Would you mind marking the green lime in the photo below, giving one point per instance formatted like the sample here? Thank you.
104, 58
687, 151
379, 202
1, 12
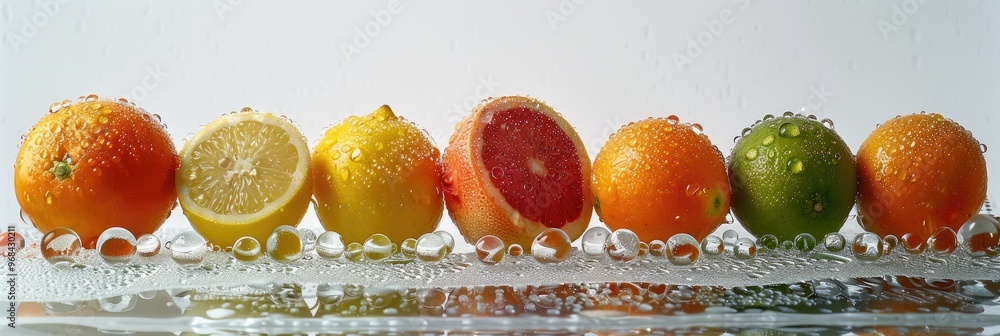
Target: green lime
792, 175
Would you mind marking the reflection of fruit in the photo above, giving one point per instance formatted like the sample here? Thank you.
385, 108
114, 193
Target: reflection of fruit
377, 174
918, 173
244, 174
792, 175
513, 168
96, 164
659, 178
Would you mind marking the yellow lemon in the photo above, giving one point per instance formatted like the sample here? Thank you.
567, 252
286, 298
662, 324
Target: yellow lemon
377, 174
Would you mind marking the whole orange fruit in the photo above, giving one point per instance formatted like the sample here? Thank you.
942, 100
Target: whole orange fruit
96, 164
659, 177
919, 173
514, 168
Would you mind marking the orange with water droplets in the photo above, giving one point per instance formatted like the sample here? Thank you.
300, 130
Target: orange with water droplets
513, 168
918, 173
659, 177
95, 164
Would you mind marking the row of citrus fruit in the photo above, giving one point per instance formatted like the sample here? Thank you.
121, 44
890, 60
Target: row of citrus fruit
513, 168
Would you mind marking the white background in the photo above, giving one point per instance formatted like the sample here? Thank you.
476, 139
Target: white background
601, 63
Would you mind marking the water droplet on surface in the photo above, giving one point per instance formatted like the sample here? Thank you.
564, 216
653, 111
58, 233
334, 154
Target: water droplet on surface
515, 250
657, 248
768, 242
980, 236
147, 245
308, 239
943, 241
795, 166
593, 241
827, 122
378, 247
913, 243
187, 248
889, 243
712, 245
380, 297
867, 246
834, 242
408, 248
247, 249
673, 119
431, 247
683, 249
551, 246
729, 237
116, 246
745, 132
767, 117
490, 249
805, 242
60, 246
622, 245
449, 241
118, 304
744, 249
354, 252
982, 147
431, 297
328, 293
788, 130
284, 244
330, 245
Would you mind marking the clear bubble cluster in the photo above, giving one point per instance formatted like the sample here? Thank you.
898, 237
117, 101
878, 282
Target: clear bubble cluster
623, 245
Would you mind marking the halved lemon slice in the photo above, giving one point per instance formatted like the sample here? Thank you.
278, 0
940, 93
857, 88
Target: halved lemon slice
244, 174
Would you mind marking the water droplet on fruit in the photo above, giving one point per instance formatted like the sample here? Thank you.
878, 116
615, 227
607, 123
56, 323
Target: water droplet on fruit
378, 247
980, 236
982, 147
356, 154
247, 249
515, 250
827, 122
551, 246
805, 242
788, 130
712, 245
449, 241
187, 248
490, 249
147, 245
751, 154
408, 248
354, 252
745, 132
943, 241
91, 97
622, 245
690, 190
768, 140
729, 237
48, 198
329, 245
834, 242
116, 246
795, 166
673, 119
496, 172
284, 244
683, 249
431, 248
867, 246
913, 243
744, 249
60, 246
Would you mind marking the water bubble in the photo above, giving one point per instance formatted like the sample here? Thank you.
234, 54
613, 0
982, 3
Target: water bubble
834, 242
187, 248
982, 147
354, 252
767, 117
408, 248
118, 304
913, 243
623, 245
943, 241
643, 248
329, 245
378, 247
768, 140
60, 246
751, 154
657, 248
673, 119
284, 244
449, 241
308, 238
980, 236
247, 249
827, 122
593, 241
147, 245
889, 243
712, 245
490, 250
745, 132
515, 250
729, 237
768, 241
867, 247
116, 246
328, 293
683, 249
805, 242
431, 248
788, 245
744, 249
431, 297
380, 297
788, 130
552, 246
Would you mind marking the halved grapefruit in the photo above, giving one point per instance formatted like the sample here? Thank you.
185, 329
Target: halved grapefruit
513, 168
